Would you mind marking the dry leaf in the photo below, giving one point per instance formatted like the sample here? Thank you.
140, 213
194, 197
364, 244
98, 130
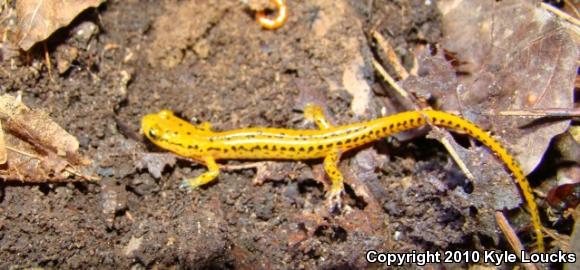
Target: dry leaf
515, 56
36, 124
38, 149
38, 19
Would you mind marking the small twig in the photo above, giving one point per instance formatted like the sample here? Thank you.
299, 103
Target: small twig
541, 113
86, 177
573, 7
443, 138
391, 55
22, 152
512, 238
574, 23
261, 170
47, 60
245, 166
390, 80
68, 169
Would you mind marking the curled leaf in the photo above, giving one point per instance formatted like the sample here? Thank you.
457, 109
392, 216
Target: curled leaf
38, 149
38, 19
512, 56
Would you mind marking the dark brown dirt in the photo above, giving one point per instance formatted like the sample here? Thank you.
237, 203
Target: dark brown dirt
210, 61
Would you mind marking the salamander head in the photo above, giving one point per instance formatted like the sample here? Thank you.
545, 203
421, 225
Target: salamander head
158, 127
168, 131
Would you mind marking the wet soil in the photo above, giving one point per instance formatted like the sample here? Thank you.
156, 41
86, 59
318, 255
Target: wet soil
208, 60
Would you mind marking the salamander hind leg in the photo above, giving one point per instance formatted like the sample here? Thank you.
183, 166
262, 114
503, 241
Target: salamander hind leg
210, 175
315, 114
333, 194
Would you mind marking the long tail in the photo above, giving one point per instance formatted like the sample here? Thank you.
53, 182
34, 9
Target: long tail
409, 120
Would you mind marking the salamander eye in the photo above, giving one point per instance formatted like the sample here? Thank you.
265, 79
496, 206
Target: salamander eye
153, 134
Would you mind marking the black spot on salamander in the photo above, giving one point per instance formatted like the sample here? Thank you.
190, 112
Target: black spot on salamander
274, 148
283, 148
398, 124
188, 133
180, 124
311, 148
225, 150
449, 122
329, 145
339, 143
384, 129
348, 140
213, 149
412, 121
377, 132
265, 147
355, 139
320, 146
391, 126
291, 149
190, 147
257, 147
301, 149
174, 143
233, 148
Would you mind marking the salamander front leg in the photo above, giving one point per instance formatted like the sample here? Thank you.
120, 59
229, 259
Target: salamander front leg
204, 178
314, 113
333, 198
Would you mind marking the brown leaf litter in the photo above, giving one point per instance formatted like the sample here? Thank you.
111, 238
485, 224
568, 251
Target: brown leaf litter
37, 20
513, 56
36, 149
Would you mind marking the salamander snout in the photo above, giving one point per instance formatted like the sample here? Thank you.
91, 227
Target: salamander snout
150, 127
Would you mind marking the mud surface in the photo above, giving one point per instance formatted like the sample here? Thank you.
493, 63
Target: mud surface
210, 61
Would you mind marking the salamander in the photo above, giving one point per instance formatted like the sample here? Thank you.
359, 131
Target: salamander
201, 144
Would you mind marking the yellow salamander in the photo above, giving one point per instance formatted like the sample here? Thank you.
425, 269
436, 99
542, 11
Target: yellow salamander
328, 142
